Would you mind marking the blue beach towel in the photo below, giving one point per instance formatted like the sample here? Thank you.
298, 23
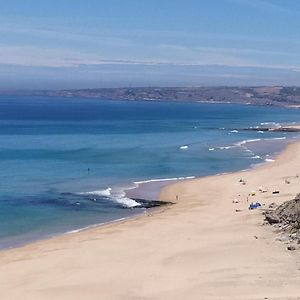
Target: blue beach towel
254, 205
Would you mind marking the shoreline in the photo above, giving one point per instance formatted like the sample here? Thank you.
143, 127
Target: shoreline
204, 247
149, 191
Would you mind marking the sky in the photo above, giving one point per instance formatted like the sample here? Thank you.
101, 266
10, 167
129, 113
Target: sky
62, 44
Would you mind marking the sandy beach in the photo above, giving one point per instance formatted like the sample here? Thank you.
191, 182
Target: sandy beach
204, 247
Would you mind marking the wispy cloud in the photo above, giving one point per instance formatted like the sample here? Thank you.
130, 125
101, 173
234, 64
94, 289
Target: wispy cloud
57, 34
177, 55
51, 46
126, 38
267, 6
38, 57
236, 57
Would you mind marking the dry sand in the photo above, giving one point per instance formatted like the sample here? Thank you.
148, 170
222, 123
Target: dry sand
201, 248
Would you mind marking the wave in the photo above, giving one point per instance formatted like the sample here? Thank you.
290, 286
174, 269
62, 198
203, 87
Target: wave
94, 226
278, 138
125, 201
247, 141
184, 147
226, 147
257, 140
270, 123
116, 195
239, 144
243, 144
163, 179
269, 160
105, 192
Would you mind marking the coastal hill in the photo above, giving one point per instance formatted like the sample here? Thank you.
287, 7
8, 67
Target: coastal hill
268, 95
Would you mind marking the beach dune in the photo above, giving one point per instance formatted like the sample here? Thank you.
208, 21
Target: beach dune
204, 247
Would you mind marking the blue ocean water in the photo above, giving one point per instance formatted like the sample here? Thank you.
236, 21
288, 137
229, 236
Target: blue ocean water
65, 163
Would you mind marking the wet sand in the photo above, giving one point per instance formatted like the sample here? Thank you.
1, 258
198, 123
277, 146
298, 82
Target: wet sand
204, 247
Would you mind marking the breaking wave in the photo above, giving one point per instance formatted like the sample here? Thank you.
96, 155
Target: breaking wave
137, 183
118, 196
184, 147
105, 192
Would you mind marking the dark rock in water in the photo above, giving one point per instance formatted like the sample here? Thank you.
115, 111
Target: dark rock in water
272, 129
150, 203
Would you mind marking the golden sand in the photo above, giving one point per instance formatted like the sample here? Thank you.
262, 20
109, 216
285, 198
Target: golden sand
204, 247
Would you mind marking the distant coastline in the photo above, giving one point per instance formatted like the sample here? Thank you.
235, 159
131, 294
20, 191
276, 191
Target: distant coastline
266, 96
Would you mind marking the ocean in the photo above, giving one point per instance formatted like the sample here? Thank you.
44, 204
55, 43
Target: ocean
66, 163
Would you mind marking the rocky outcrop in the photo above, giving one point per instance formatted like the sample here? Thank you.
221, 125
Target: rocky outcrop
286, 213
286, 218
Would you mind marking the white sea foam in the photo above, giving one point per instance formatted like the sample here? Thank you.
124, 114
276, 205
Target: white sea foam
234, 131
278, 138
247, 141
126, 202
117, 195
227, 147
257, 140
184, 147
105, 193
211, 149
93, 226
163, 179
256, 157
242, 143
270, 123
269, 160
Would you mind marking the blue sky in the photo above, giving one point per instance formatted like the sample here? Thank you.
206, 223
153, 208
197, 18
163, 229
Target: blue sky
95, 43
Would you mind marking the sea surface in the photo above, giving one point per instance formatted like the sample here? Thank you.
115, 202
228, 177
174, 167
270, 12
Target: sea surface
65, 163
